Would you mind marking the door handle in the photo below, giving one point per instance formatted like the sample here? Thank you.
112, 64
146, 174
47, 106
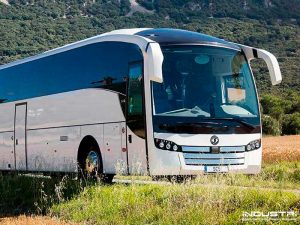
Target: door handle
17, 142
130, 138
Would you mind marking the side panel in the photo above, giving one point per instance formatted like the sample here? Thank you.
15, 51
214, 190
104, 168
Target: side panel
7, 115
57, 124
115, 161
20, 136
137, 160
53, 149
7, 160
124, 149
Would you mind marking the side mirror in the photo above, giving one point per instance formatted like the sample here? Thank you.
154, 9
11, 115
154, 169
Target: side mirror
269, 58
272, 64
154, 60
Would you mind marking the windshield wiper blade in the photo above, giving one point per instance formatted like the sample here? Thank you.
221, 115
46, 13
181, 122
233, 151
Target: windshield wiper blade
236, 120
185, 124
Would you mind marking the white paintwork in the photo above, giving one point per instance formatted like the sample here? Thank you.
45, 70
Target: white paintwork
45, 151
4, 2
74, 115
272, 64
20, 137
137, 160
174, 163
113, 148
269, 58
154, 61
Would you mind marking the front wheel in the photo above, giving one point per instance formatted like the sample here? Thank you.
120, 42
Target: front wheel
92, 164
92, 167
181, 178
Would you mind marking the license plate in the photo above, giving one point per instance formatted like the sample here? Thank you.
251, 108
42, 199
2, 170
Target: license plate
215, 169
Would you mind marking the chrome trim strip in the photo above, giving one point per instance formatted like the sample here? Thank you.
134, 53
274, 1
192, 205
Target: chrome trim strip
195, 149
213, 156
214, 161
233, 149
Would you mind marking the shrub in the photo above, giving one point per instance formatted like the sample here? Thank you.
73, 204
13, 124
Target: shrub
273, 106
291, 123
270, 126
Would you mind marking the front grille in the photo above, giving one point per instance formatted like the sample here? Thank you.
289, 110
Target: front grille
233, 155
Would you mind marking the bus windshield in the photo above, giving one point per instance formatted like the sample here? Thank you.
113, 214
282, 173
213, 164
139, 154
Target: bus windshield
206, 85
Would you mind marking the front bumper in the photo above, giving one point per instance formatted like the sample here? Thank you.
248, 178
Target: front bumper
181, 163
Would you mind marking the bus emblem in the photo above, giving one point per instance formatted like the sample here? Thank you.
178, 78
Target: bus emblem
214, 140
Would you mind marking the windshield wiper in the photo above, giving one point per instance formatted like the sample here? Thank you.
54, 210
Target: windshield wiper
236, 120
165, 126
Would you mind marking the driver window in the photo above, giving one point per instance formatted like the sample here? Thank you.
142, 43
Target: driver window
135, 87
135, 109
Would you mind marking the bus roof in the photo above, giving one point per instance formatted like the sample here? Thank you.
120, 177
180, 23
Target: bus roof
166, 36
162, 36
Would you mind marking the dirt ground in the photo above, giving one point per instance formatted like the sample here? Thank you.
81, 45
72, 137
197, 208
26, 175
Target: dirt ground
284, 148
32, 220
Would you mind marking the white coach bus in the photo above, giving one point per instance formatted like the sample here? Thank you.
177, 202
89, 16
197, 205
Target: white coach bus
135, 101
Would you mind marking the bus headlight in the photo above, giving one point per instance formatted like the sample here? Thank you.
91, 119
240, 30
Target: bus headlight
253, 145
166, 145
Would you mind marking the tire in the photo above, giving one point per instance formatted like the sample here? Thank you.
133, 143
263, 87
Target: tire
91, 167
181, 178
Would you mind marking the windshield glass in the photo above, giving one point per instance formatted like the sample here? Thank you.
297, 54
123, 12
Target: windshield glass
205, 84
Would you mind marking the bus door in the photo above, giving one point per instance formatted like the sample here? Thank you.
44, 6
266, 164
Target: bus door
136, 136
115, 147
20, 136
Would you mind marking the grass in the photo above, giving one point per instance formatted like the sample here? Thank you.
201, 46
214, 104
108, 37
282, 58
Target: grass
210, 199
283, 175
172, 204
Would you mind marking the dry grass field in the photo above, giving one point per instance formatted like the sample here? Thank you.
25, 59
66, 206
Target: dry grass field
32, 220
283, 148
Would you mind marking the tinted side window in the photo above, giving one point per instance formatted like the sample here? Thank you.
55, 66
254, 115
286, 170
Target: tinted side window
103, 65
135, 109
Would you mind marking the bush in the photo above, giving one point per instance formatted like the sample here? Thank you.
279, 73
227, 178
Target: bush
273, 106
270, 126
291, 123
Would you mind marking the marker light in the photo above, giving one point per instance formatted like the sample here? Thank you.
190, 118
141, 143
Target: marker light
166, 145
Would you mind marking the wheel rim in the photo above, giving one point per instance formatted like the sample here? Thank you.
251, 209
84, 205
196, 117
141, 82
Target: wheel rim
92, 163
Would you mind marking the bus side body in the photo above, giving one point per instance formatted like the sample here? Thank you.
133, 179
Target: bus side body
49, 105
